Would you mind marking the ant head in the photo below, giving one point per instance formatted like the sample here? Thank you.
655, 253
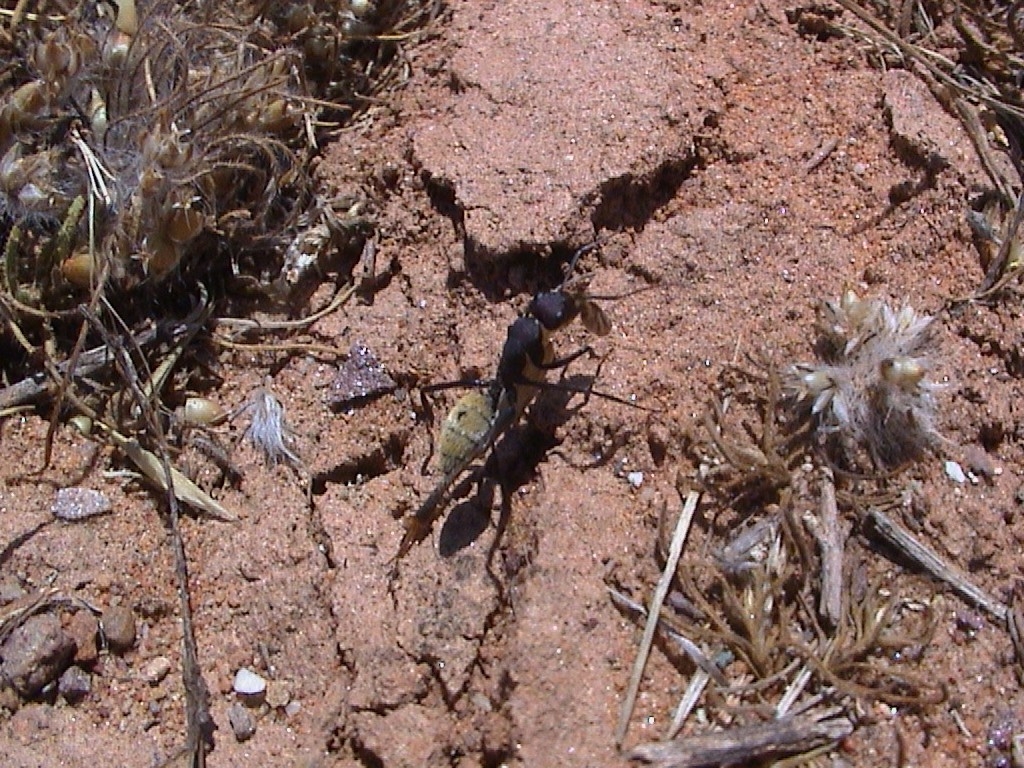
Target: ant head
554, 309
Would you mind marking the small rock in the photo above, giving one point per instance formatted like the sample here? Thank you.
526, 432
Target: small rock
83, 629
360, 378
10, 590
292, 708
155, 670
9, 698
119, 628
278, 695
979, 462
955, 472
74, 685
76, 503
35, 654
243, 724
636, 479
248, 683
250, 687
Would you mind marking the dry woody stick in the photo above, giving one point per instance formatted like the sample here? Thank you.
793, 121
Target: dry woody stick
897, 536
744, 744
675, 550
830, 541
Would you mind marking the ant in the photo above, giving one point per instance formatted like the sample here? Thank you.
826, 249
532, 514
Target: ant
479, 418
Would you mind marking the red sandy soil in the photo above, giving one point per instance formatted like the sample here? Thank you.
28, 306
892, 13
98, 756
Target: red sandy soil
685, 138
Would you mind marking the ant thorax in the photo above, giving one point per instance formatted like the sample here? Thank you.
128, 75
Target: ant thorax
524, 359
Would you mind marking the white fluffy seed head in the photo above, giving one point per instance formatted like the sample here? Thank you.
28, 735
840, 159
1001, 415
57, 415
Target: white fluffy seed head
870, 392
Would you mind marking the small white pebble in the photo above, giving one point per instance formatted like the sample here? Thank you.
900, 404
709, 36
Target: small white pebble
248, 683
156, 669
636, 479
78, 504
955, 472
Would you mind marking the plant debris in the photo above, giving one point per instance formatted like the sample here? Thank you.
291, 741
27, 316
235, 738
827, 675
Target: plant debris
869, 391
268, 430
801, 627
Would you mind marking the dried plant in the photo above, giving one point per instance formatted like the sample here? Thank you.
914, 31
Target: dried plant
869, 391
755, 601
185, 128
269, 431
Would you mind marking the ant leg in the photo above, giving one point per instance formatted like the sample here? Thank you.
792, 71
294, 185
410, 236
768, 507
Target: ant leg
562, 362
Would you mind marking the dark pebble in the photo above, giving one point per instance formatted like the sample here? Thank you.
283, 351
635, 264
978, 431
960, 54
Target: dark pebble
35, 654
75, 684
119, 628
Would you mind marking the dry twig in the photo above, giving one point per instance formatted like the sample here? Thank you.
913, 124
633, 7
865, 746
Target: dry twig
675, 550
904, 541
742, 745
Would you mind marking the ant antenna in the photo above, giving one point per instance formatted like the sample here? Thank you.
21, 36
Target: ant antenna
571, 266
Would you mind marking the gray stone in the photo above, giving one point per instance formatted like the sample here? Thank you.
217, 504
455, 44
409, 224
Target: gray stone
35, 654
243, 724
73, 504
248, 683
74, 685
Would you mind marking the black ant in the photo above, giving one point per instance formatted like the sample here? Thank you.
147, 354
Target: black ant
479, 418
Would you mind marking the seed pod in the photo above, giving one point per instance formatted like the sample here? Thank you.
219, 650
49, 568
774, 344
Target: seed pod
296, 17
56, 60
82, 423
115, 52
27, 100
150, 182
183, 223
360, 8
164, 148
97, 113
277, 117
903, 372
79, 269
127, 19
162, 258
199, 411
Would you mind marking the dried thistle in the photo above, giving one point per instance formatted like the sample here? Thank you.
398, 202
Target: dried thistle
869, 390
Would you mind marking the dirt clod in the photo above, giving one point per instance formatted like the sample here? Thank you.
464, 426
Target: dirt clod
84, 629
155, 670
